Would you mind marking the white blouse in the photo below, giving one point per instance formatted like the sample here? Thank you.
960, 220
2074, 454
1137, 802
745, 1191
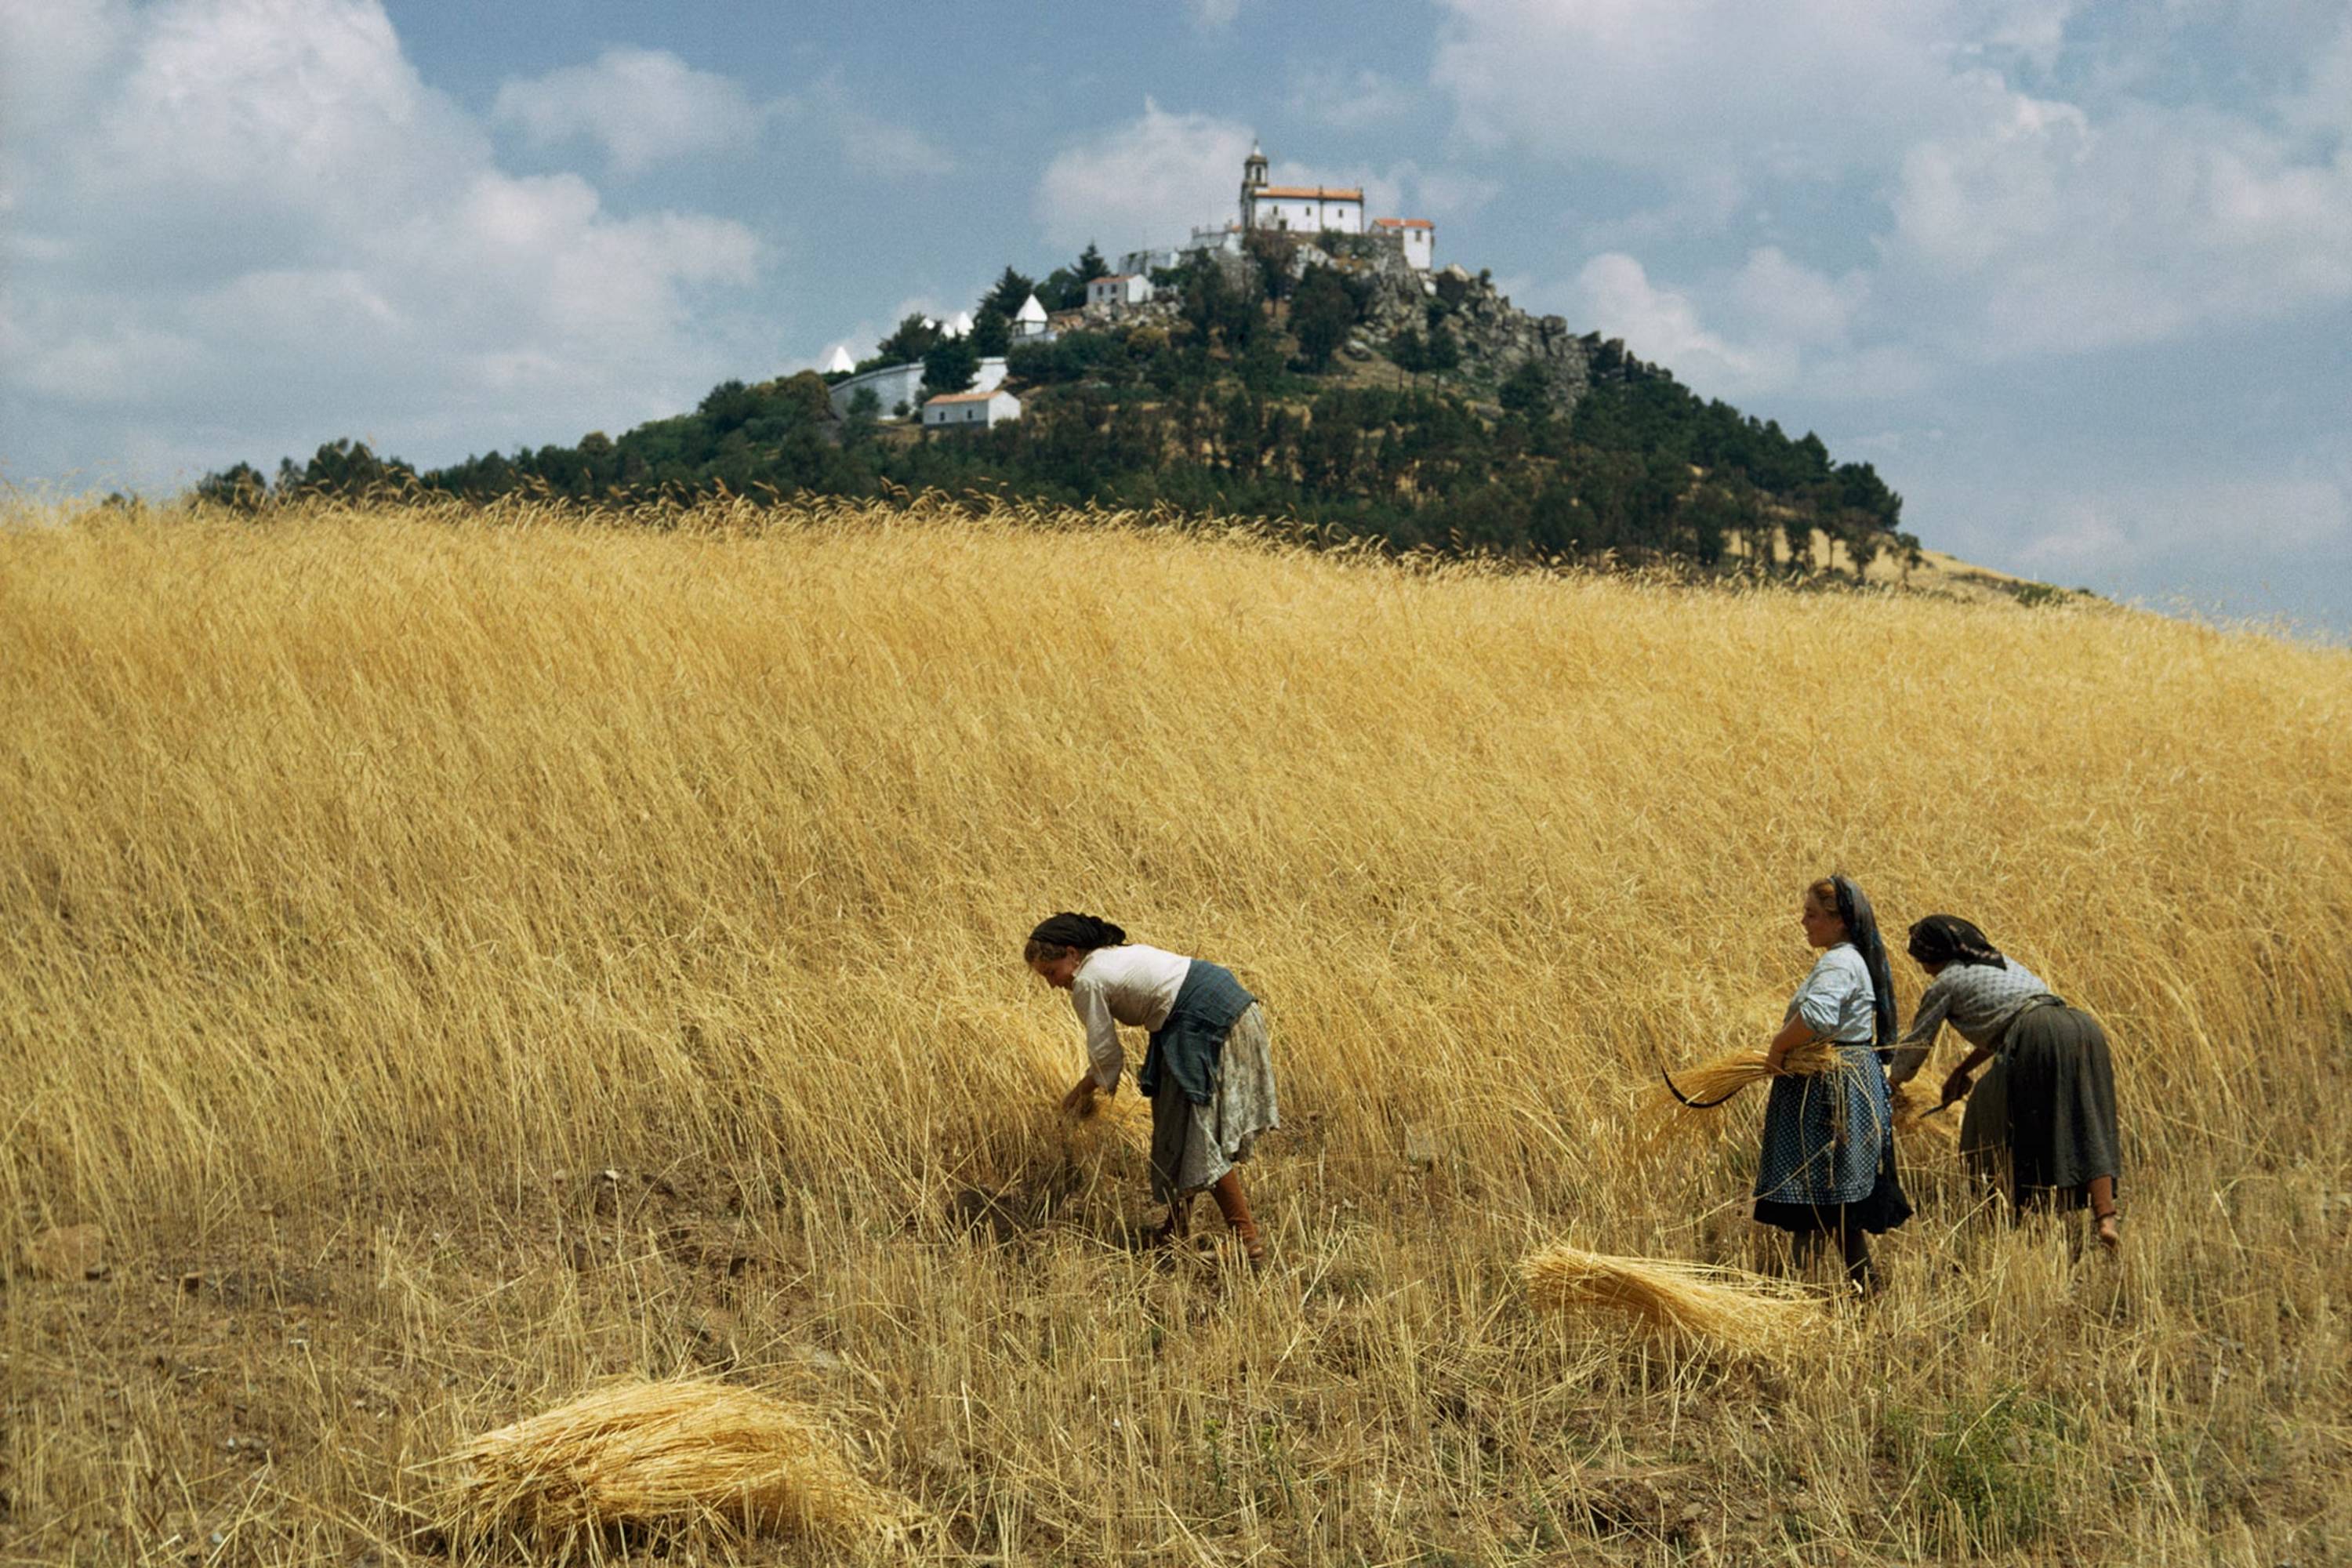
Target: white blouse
1836, 999
1135, 985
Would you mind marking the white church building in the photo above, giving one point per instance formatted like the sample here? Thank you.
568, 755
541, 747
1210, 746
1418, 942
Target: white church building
1313, 208
1298, 209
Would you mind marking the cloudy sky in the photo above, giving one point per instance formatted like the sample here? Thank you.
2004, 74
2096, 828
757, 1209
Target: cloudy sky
2076, 276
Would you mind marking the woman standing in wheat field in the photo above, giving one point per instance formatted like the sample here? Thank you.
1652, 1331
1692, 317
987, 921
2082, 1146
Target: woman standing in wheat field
2041, 1125
1828, 1162
1208, 1073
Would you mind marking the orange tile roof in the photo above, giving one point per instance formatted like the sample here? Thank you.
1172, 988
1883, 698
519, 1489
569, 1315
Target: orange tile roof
1403, 223
1312, 193
964, 396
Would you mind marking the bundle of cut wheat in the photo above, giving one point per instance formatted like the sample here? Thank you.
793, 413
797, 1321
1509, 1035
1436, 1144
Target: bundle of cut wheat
1125, 1117
1916, 1111
1686, 1302
663, 1455
1679, 1103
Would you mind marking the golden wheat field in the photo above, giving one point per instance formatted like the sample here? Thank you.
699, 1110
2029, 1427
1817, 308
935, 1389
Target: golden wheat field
462, 961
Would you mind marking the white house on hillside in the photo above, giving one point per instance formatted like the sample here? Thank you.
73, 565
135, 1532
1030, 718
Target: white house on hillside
838, 359
974, 410
1418, 235
1146, 261
1118, 289
898, 389
1029, 321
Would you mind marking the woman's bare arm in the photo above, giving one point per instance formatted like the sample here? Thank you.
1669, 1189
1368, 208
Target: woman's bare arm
1794, 1033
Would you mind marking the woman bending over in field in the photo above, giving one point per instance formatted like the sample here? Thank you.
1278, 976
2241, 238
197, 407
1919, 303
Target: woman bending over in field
1828, 1164
1208, 1073
2046, 1109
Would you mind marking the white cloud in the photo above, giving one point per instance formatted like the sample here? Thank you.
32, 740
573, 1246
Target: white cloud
1771, 324
1712, 92
92, 367
1661, 325
269, 231
643, 105
1216, 14
1794, 303
2247, 522
2323, 101
2054, 230
889, 149
1144, 181
2012, 224
49, 53
2030, 32
1435, 193
874, 145
1149, 180
1346, 99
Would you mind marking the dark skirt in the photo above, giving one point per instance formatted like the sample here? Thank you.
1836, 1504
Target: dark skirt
1882, 1210
2041, 1124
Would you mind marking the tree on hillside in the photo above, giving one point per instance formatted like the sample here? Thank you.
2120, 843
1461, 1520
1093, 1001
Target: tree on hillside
1064, 287
951, 365
1006, 294
240, 488
728, 405
992, 329
1409, 351
346, 468
800, 398
1271, 250
1526, 392
911, 340
865, 415
1216, 305
1320, 316
1444, 353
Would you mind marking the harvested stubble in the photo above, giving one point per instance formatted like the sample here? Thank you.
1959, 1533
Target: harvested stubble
663, 1456
1685, 1303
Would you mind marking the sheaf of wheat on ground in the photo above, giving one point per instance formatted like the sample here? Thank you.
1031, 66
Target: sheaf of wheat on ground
461, 963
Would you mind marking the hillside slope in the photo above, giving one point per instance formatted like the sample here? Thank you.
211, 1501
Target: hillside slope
1343, 393
457, 960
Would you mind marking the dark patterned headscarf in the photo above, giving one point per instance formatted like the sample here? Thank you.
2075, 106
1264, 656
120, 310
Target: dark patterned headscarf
1862, 929
1948, 939
1068, 930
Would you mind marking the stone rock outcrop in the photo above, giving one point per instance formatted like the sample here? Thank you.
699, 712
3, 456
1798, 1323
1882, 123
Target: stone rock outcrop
1495, 336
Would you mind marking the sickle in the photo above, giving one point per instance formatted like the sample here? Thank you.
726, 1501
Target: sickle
1686, 1099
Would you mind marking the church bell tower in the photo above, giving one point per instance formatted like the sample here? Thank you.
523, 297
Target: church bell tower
1252, 182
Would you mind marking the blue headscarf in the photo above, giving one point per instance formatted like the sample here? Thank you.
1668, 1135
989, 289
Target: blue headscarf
1862, 929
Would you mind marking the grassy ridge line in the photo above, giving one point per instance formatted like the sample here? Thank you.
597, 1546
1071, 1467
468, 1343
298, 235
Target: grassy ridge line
514, 845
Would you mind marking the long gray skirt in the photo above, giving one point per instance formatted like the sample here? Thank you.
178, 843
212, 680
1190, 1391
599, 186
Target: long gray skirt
2040, 1125
1192, 1146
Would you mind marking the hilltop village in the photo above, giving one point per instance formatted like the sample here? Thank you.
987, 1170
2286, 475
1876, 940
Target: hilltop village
1310, 226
